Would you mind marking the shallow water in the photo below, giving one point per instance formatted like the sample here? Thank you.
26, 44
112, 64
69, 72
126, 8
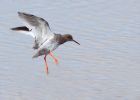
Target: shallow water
106, 66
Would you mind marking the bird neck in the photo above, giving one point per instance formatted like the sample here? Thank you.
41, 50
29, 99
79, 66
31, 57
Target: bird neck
62, 39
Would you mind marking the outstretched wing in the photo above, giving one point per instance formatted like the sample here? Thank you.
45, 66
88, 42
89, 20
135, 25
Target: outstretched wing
23, 29
38, 26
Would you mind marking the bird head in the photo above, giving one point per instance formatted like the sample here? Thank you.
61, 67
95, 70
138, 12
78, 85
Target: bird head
69, 37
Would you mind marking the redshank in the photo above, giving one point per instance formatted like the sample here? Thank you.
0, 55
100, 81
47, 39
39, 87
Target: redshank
45, 40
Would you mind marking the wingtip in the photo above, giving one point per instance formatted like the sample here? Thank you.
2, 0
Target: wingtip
12, 29
21, 28
19, 13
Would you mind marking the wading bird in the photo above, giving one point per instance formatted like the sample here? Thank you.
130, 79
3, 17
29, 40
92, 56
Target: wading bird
45, 40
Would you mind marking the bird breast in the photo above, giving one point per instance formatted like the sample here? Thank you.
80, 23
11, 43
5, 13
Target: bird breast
50, 44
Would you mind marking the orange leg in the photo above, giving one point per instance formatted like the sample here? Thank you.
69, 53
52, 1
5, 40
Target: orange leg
46, 64
55, 60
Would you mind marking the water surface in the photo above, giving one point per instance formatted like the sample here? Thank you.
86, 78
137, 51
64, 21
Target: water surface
106, 66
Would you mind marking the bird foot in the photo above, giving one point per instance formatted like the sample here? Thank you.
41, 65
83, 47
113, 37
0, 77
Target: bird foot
47, 71
56, 61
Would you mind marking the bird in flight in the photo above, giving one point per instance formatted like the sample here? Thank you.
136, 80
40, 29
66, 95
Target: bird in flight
45, 41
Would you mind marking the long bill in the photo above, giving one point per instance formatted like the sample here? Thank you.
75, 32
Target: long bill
76, 42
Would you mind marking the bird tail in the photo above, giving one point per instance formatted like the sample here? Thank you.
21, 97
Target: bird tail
36, 55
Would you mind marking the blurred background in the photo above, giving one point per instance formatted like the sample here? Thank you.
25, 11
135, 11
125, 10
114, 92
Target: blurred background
106, 66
